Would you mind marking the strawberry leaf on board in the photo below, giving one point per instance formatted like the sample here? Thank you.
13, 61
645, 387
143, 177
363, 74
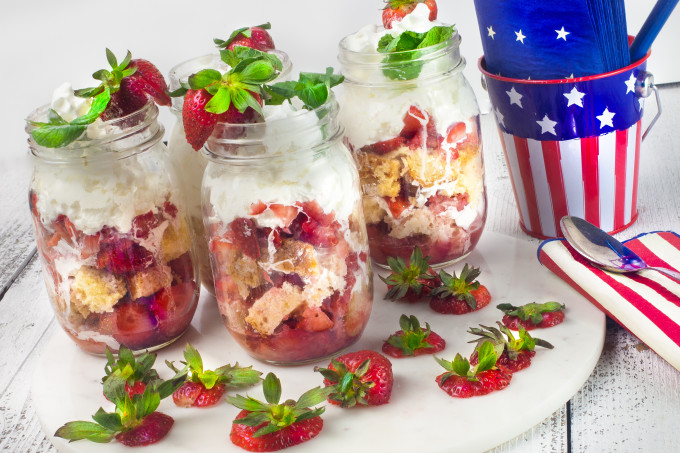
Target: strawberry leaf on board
401, 51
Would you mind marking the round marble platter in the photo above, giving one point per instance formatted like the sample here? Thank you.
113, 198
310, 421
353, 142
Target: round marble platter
66, 384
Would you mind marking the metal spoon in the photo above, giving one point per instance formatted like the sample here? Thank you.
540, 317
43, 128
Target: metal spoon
603, 249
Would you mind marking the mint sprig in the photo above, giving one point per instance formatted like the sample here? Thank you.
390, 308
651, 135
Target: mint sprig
401, 62
312, 88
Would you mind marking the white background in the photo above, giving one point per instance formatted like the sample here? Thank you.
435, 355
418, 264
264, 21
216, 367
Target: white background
44, 43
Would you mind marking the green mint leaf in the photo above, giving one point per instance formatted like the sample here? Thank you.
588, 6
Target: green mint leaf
57, 136
99, 104
272, 388
110, 421
54, 118
85, 430
204, 78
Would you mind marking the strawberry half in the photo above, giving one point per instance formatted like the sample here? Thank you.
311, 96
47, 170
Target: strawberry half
463, 381
514, 354
533, 315
256, 37
361, 377
137, 372
272, 425
396, 10
460, 295
205, 387
412, 340
410, 282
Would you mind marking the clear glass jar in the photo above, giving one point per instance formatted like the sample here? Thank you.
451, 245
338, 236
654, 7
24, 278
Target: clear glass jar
112, 235
287, 237
193, 163
418, 148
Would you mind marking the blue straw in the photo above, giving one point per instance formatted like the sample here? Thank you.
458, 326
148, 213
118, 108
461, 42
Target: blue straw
651, 28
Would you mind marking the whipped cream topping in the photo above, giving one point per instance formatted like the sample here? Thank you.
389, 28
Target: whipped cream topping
67, 104
329, 180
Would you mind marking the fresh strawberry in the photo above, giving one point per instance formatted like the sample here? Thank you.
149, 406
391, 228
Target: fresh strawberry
362, 377
412, 340
513, 354
137, 372
410, 282
272, 425
462, 381
134, 422
385, 146
532, 315
396, 10
460, 295
256, 37
135, 325
205, 387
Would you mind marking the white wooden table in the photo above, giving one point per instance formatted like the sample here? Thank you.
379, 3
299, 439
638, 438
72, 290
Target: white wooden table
631, 403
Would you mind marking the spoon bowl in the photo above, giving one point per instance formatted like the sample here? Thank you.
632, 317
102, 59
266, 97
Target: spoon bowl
603, 250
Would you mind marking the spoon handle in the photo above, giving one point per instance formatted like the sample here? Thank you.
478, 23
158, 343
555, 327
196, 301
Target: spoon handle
672, 274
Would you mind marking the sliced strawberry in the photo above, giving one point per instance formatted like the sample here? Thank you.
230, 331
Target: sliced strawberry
182, 268
284, 212
414, 121
148, 78
487, 382
453, 305
198, 124
385, 146
143, 224
123, 256
370, 383
508, 365
313, 319
439, 202
135, 326
297, 433
137, 388
397, 205
549, 320
456, 133
174, 308
152, 428
532, 315
412, 340
210, 397
245, 237
257, 208
396, 10
195, 394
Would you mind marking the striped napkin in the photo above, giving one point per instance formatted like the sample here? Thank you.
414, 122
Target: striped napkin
647, 304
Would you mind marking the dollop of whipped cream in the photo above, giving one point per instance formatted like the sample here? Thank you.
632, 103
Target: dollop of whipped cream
367, 38
67, 104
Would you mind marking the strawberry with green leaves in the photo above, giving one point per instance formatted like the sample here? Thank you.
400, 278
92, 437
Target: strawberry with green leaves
533, 315
464, 381
412, 340
514, 354
134, 421
137, 373
271, 425
124, 89
412, 281
396, 10
460, 295
361, 377
205, 388
256, 37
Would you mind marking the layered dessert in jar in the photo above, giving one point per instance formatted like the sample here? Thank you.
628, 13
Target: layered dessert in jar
282, 210
184, 155
110, 225
412, 124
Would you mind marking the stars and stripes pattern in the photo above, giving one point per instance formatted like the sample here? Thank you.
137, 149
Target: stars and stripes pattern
572, 147
646, 303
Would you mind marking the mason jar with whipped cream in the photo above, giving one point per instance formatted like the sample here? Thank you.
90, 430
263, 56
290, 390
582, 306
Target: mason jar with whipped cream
412, 124
193, 163
113, 236
287, 238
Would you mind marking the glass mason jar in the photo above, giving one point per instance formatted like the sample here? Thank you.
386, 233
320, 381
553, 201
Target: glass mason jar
412, 124
287, 238
193, 163
112, 235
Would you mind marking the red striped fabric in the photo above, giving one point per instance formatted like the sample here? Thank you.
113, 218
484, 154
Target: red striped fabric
645, 303
594, 178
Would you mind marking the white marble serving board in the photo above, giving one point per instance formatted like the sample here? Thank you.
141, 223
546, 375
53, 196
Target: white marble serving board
420, 415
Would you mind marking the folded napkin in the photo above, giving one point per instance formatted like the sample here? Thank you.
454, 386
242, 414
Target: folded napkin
647, 303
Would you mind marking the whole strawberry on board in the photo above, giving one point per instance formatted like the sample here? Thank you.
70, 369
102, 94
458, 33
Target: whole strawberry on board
460, 295
463, 381
125, 88
205, 388
256, 37
514, 354
396, 10
234, 97
411, 282
361, 377
134, 421
136, 372
412, 340
532, 315
271, 425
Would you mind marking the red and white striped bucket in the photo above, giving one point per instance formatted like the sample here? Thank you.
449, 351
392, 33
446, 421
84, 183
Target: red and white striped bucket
573, 145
